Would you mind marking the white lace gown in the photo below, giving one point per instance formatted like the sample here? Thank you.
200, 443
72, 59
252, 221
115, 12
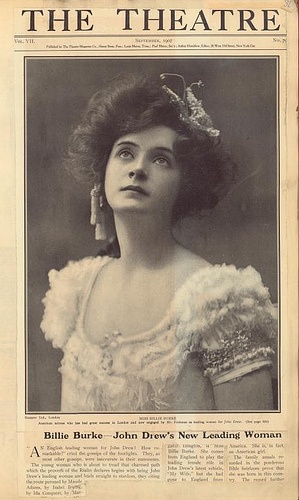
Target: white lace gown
220, 326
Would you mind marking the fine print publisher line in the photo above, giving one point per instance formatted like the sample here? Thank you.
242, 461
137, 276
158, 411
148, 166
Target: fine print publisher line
216, 49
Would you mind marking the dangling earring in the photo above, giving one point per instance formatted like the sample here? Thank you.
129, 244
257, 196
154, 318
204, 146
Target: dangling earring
97, 216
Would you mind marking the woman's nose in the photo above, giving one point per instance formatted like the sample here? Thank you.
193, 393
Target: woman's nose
138, 173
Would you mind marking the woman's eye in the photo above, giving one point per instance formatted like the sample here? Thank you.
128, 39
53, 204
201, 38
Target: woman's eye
161, 160
125, 154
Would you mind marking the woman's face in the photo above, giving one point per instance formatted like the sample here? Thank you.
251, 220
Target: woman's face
142, 173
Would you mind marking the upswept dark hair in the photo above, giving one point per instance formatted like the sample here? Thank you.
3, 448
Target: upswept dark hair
133, 105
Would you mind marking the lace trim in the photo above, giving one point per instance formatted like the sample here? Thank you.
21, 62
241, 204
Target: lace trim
221, 314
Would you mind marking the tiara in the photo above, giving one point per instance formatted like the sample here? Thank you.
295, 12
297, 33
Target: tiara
191, 109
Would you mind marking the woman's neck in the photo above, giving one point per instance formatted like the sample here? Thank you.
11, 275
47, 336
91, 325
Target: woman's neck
144, 242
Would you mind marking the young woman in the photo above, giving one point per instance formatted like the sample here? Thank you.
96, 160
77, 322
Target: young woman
158, 328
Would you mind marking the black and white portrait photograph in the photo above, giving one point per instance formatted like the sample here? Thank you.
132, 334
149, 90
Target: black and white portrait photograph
152, 249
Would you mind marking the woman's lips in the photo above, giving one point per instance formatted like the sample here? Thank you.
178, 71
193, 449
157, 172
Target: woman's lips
134, 188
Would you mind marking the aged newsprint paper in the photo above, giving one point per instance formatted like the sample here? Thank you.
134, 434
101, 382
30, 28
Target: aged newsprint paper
54, 56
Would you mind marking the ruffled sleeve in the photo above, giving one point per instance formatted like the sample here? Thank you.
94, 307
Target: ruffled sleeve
233, 325
62, 301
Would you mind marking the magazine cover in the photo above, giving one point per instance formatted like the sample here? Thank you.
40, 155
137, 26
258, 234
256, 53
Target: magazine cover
148, 234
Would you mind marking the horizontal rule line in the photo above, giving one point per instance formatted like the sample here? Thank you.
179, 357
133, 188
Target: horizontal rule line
211, 35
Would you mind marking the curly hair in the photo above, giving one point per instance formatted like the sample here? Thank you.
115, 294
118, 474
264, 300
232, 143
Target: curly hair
134, 105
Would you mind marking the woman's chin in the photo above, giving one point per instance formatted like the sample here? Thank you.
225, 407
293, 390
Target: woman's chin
130, 200
130, 206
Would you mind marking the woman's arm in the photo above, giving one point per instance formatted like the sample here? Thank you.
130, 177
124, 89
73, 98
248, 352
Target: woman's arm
251, 392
